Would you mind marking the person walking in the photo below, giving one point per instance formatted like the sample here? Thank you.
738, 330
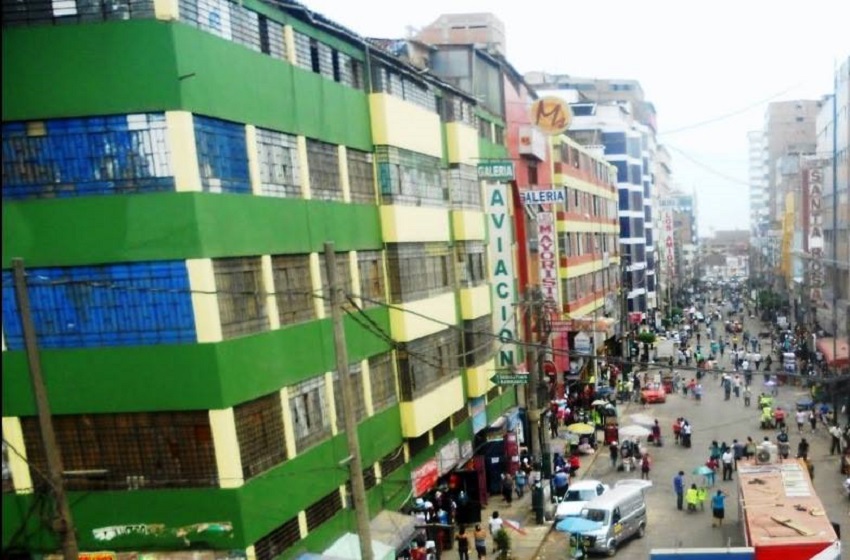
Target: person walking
508, 488
614, 451
718, 508
495, 527
692, 497
813, 419
727, 460
645, 466
480, 538
800, 417
520, 481
679, 488
803, 449
462, 540
835, 447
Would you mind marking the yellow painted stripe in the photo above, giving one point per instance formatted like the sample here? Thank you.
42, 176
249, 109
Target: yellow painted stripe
574, 271
288, 424
411, 224
316, 283
461, 143
227, 456
584, 186
478, 378
329, 398
584, 226
413, 320
425, 412
396, 122
345, 185
468, 225
253, 159
475, 302
303, 167
13, 434
204, 300
289, 44
166, 10
183, 151
269, 287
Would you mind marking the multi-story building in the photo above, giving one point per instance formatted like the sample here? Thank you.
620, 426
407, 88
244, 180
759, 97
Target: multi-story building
171, 197
726, 254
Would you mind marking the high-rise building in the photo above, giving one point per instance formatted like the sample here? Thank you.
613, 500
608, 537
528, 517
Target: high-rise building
482, 30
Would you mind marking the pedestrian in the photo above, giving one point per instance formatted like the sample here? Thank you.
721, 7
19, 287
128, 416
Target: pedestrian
508, 488
495, 527
480, 542
677, 430
679, 488
803, 449
614, 450
710, 476
737, 452
727, 459
561, 480
645, 466
687, 430
800, 417
692, 498
462, 543
520, 481
835, 447
718, 508
813, 419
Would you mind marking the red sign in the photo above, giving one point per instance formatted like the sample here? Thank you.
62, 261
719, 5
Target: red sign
425, 477
635, 317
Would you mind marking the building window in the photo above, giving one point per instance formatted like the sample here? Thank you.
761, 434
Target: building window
370, 264
406, 177
323, 163
532, 174
355, 377
64, 158
259, 429
271, 38
442, 429
361, 176
310, 412
382, 380
478, 340
472, 263
464, 186
418, 270
293, 288
241, 296
485, 130
392, 461
128, 451
277, 156
343, 278
404, 86
460, 416
417, 445
222, 156
427, 362
323, 510
370, 479
72, 11
278, 541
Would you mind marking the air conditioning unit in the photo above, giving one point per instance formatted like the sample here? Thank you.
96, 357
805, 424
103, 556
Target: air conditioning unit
765, 453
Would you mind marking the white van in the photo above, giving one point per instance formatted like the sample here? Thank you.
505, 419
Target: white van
621, 514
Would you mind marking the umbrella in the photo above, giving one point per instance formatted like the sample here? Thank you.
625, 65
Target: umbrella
635, 431
576, 525
599, 402
643, 420
581, 428
703, 470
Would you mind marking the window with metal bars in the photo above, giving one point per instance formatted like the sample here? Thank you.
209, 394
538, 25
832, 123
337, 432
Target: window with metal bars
392, 461
464, 186
418, 444
272, 42
371, 267
485, 130
323, 163
478, 340
241, 296
324, 509
418, 270
471, 260
499, 134
127, 451
222, 155
278, 541
493, 394
370, 479
277, 157
382, 380
406, 177
259, 430
361, 176
34, 12
442, 429
355, 376
293, 288
387, 80
460, 416
427, 362
343, 278
311, 415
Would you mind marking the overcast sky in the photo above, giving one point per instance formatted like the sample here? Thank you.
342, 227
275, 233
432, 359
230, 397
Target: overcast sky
696, 61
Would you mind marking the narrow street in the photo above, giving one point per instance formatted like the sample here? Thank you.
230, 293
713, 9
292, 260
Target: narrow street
712, 419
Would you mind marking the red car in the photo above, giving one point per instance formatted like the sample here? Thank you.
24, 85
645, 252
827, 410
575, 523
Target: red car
653, 393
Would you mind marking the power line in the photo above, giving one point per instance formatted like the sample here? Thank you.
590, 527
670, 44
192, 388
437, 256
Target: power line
707, 167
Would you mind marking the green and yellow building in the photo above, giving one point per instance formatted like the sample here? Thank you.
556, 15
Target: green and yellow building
171, 172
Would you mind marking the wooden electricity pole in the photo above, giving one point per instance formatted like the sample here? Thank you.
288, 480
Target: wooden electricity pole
63, 524
355, 462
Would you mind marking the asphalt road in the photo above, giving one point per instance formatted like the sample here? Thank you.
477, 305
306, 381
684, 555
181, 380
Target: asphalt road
712, 419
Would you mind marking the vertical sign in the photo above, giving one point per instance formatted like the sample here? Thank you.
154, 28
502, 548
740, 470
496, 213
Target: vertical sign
501, 264
547, 257
669, 240
815, 235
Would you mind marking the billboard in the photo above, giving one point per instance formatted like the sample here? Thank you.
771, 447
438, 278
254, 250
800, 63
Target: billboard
547, 257
500, 252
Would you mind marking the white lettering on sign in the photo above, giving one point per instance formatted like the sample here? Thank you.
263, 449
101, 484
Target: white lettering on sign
815, 234
501, 264
547, 256
544, 197
669, 244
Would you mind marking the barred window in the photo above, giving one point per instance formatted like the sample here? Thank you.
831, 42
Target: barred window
418, 270
259, 429
278, 541
30, 12
303, 57
293, 288
222, 155
460, 416
343, 278
323, 163
371, 267
246, 26
456, 109
128, 451
350, 71
425, 363
64, 158
370, 479
407, 177
310, 412
499, 134
493, 394
478, 340
272, 42
355, 376
442, 429
324, 509
392, 461
387, 80
241, 296
485, 129
418, 444
361, 176
277, 156
472, 261
383, 382
464, 186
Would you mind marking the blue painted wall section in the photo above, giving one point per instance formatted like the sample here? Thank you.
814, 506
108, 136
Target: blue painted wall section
111, 305
222, 156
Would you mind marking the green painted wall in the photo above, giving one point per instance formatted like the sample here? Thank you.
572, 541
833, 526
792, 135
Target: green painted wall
184, 376
167, 226
148, 65
490, 150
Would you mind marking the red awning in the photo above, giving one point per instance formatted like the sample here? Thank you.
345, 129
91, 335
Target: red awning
836, 353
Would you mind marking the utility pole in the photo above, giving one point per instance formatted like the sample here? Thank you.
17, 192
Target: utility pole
532, 363
63, 524
355, 461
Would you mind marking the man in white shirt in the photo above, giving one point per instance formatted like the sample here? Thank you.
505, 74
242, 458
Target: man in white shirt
727, 459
